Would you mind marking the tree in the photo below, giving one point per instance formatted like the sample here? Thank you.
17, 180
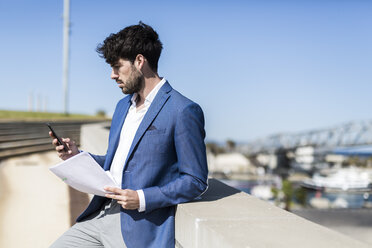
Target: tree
214, 148
230, 145
101, 113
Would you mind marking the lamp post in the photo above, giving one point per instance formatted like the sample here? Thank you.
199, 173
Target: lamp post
66, 34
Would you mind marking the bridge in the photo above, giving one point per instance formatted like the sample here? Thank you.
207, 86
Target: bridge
344, 135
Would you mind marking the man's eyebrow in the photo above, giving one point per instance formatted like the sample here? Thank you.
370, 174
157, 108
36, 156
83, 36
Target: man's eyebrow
115, 65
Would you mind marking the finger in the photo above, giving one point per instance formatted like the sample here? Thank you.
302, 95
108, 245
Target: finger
126, 205
70, 143
62, 154
59, 148
116, 197
126, 192
123, 204
51, 134
55, 142
113, 189
112, 196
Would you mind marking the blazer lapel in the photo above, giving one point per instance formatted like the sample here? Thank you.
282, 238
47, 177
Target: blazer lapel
155, 107
116, 129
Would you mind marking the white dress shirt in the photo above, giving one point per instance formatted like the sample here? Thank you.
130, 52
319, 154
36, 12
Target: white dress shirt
128, 131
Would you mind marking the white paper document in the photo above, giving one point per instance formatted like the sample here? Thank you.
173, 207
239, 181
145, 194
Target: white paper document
83, 173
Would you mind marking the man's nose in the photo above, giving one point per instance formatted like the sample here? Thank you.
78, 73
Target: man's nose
114, 75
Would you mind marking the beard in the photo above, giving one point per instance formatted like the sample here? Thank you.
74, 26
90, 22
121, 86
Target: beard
134, 83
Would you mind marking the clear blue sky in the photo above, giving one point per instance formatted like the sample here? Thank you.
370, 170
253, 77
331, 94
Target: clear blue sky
255, 67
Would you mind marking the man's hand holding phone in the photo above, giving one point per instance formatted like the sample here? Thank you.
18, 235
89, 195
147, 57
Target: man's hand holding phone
65, 147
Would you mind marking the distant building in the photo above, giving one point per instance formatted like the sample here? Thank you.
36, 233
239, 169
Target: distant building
229, 163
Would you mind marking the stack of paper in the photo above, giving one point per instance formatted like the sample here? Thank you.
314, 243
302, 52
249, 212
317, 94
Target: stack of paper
83, 173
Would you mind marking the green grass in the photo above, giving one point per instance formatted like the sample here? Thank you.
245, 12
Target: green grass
31, 116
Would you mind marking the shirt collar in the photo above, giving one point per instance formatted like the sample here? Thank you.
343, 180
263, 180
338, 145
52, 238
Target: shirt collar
151, 96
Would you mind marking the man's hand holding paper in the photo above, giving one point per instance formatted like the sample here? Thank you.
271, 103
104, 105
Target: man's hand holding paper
127, 198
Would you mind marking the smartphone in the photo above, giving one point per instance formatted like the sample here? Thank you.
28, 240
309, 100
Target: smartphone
60, 142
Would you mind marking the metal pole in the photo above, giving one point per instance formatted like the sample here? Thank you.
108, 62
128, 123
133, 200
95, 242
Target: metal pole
66, 33
30, 102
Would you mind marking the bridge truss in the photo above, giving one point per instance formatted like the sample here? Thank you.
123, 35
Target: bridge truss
348, 134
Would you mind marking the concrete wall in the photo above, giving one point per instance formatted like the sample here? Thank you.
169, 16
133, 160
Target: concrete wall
94, 137
227, 217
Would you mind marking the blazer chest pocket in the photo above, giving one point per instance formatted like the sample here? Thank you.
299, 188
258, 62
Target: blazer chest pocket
157, 140
155, 131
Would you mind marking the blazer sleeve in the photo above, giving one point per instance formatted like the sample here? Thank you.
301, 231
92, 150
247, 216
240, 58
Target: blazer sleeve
192, 163
99, 159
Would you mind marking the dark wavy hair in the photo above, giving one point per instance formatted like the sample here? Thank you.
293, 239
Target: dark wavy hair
131, 41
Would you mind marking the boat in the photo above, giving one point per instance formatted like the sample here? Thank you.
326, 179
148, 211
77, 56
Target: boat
345, 179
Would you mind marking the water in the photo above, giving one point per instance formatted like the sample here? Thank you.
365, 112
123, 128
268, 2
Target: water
353, 199
244, 186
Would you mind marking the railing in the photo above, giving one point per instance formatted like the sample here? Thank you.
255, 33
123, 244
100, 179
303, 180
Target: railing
227, 217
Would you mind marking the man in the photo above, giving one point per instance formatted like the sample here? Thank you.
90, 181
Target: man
156, 152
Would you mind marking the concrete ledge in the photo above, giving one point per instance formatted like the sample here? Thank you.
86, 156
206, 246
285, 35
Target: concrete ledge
226, 217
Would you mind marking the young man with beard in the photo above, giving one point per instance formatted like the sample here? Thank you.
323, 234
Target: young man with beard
156, 152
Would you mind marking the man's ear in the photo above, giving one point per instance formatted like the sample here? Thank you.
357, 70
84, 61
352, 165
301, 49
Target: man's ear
139, 61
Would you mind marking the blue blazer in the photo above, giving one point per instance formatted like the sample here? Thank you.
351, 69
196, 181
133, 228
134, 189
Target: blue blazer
167, 160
